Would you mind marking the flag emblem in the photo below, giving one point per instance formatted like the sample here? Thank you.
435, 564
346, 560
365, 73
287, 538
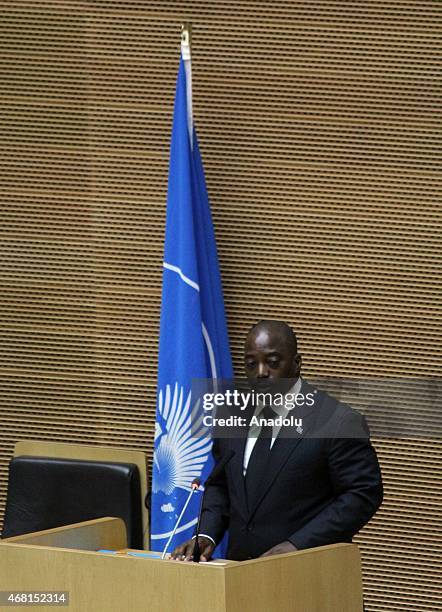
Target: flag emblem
180, 451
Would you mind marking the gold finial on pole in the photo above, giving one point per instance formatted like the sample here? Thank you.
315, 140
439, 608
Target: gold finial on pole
186, 39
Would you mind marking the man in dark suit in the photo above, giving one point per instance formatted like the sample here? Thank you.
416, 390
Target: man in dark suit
290, 487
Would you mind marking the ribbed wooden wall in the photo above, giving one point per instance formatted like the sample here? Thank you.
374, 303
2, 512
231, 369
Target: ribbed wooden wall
318, 127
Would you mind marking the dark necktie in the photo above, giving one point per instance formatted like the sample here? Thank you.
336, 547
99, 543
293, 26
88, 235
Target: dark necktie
259, 458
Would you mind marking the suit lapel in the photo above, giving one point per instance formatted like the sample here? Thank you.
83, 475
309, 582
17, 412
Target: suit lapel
281, 451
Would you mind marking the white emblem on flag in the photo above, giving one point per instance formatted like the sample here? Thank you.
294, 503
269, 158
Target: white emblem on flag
184, 444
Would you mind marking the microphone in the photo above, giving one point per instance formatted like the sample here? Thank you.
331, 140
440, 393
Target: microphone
194, 486
214, 473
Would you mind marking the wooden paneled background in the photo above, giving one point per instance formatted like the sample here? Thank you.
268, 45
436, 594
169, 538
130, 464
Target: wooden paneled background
319, 132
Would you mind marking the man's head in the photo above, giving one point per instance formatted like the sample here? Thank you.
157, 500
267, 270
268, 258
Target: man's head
271, 353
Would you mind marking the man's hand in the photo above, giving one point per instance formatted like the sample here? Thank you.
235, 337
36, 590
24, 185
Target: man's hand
279, 549
185, 551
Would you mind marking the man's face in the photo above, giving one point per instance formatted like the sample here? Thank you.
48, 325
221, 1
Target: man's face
268, 358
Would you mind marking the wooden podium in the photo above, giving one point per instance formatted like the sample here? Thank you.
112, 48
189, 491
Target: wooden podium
325, 579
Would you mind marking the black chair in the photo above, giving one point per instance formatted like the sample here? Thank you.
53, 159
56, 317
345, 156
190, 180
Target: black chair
47, 492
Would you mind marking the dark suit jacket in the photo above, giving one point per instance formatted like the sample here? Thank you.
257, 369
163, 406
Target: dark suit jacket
316, 491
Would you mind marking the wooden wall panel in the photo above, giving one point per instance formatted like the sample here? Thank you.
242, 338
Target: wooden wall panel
318, 128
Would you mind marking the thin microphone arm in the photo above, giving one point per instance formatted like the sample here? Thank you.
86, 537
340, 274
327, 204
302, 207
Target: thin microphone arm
214, 473
193, 487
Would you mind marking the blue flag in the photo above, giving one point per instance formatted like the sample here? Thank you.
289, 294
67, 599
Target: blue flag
193, 332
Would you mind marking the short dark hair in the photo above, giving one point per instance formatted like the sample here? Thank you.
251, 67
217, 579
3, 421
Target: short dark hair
280, 327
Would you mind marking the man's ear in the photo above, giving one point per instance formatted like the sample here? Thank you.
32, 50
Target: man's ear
297, 364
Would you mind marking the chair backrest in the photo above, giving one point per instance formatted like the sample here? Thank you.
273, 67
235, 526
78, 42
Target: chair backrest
47, 492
